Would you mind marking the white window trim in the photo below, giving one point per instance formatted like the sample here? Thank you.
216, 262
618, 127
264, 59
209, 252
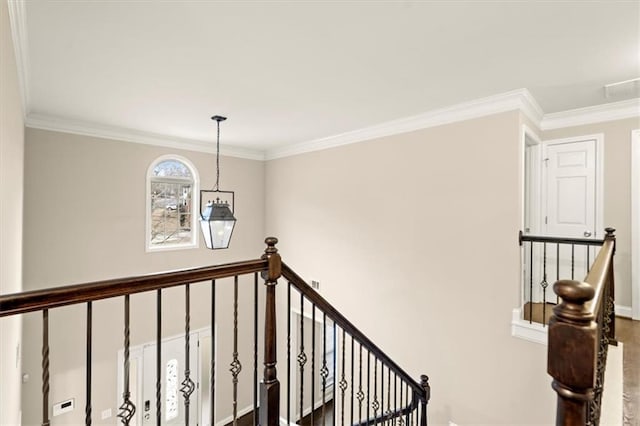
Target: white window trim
149, 248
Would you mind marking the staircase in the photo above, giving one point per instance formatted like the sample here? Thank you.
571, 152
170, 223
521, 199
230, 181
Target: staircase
261, 312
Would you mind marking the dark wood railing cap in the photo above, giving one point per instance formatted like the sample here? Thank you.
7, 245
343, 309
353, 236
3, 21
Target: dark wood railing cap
574, 295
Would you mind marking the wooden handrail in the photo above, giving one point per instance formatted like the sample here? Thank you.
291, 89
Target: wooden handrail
38, 300
580, 329
559, 240
322, 304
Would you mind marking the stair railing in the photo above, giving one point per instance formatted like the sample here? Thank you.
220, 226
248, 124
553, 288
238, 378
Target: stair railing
580, 331
391, 396
547, 259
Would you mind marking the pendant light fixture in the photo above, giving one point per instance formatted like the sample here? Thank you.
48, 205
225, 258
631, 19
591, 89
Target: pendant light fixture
217, 220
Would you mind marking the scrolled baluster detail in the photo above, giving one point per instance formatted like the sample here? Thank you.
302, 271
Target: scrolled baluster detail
128, 408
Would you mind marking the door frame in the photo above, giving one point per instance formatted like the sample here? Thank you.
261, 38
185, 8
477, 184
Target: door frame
635, 224
599, 180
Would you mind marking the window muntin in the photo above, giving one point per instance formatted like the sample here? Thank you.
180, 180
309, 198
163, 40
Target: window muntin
170, 204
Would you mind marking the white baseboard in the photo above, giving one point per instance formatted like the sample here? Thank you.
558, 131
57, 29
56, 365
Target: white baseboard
624, 311
241, 413
533, 332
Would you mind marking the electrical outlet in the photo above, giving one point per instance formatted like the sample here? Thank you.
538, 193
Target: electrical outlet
106, 414
315, 285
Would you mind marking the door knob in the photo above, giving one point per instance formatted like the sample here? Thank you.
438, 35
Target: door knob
587, 234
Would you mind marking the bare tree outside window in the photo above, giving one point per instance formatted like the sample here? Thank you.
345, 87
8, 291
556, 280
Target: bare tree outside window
171, 188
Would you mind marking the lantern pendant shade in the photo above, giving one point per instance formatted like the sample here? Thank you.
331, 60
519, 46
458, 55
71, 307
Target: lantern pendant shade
217, 223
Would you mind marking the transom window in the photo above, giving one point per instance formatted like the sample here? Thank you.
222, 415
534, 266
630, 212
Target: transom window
171, 183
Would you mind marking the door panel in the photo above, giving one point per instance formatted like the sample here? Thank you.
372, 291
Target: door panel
571, 189
172, 375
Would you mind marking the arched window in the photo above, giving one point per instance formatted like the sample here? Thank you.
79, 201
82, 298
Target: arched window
171, 223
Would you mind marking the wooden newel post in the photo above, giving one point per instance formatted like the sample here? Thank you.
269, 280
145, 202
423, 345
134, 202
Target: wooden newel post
573, 351
270, 387
424, 381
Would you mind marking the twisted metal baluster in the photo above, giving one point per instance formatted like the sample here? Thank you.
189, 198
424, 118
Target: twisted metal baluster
313, 360
544, 284
128, 408
375, 404
343, 382
158, 357
352, 382
187, 384
45, 367
235, 366
302, 357
360, 394
368, 384
324, 371
212, 379
87, 410
255, 349
289, 353
388, 413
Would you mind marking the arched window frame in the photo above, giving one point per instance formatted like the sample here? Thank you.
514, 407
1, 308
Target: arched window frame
195, 208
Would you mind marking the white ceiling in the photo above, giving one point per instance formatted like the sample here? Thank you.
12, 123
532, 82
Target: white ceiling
287, 72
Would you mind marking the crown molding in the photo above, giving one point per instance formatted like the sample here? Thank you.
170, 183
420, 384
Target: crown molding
57, 124
519, 99
593, 114
18, 23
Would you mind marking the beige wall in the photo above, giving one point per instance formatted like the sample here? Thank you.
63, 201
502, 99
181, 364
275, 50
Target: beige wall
414, 238
85, 221
617, 190
11, 193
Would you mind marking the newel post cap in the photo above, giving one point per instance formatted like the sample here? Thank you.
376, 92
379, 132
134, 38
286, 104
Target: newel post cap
424, 382
275, 264
574, 295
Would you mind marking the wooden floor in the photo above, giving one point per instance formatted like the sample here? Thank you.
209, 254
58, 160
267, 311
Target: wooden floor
628, 332
247, 419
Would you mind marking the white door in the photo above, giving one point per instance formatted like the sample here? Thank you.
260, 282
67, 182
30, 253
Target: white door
570, 207
172, 376
571, 189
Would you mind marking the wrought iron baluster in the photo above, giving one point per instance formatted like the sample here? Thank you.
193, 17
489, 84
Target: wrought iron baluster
388, 413
352, 381
235, 366
368, 384
212, 372
158, 357
530, 282
375, 404
324, 371
360, 394
335, 369
45, 367
382, 392
573, 247
395, 394
302, 357
343, 381
313, 360
289, 353
544, 284
128, 408
588, 255
400, 420
87, 410
188, 386
557, 268
255, 349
